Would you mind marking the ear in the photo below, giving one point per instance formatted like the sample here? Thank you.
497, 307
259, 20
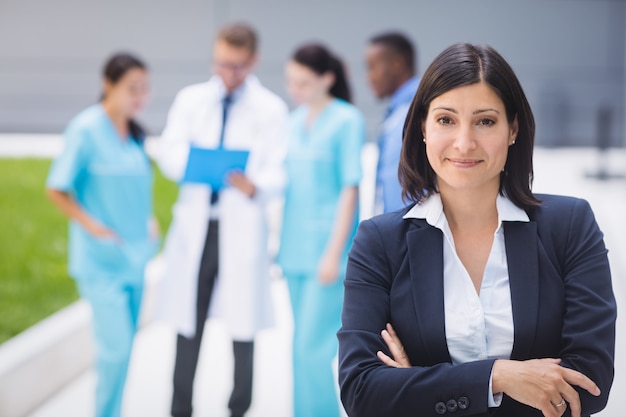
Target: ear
254, 61
513, 130
107, 86
396, 63
329, 79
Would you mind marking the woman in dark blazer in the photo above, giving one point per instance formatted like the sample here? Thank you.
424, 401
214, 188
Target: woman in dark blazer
482, 299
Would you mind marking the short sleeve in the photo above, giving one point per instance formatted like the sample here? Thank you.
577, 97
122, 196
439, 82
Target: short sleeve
350, 147
69, 165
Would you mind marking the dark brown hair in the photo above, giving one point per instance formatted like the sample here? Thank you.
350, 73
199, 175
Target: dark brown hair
239, 35
320, 60
459, 65
115, 68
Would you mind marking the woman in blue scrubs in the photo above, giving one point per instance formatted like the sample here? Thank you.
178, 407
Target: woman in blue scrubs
102, 181
320, 218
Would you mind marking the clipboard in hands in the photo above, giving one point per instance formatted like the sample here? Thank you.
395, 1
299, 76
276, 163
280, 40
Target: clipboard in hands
212, 166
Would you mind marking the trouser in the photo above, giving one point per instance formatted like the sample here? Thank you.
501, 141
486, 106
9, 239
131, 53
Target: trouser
188, 349
317, 318
115, 306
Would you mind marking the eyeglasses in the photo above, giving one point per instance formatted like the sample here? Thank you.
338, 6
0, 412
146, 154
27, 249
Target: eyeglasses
229, 66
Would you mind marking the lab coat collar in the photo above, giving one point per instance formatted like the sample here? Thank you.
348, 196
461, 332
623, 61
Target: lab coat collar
251, 80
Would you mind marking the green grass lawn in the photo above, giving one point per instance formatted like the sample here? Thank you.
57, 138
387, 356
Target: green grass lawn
33, 244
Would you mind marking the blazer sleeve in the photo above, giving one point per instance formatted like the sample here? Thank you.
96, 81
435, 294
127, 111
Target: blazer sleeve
588, 334
370, 388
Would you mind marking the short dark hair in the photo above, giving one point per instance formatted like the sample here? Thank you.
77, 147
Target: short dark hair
400, 44
239, 35
459, 65
320, 60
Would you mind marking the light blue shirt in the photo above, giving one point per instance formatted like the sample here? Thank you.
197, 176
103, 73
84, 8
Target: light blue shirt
477, 326
322, 159
111, 179
388, 190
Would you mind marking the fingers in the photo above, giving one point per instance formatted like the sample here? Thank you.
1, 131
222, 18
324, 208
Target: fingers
395, 347
563, 382
387, 360
570, 395
579, 379
394, 336
556, 409
396, 339
542, 384
396, 350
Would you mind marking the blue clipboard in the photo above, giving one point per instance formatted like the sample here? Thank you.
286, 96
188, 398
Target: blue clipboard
212, 166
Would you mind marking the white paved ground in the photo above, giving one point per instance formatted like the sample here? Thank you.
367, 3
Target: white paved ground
558, 171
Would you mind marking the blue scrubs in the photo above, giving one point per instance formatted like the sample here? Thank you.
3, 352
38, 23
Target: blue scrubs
321, 161
111, 179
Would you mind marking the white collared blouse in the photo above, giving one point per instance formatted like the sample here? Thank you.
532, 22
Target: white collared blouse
477, 325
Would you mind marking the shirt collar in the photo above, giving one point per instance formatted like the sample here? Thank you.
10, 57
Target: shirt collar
431, 210
250, 79
405, 93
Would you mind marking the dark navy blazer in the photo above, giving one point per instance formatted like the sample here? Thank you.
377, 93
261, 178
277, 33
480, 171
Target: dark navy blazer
561, 294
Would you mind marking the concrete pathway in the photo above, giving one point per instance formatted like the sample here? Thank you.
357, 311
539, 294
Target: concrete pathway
558, 171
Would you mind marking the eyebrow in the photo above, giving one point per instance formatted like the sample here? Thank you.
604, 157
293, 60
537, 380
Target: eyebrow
475, 112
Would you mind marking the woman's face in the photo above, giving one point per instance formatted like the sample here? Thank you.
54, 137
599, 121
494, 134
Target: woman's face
130, 93
304, 85
467, 138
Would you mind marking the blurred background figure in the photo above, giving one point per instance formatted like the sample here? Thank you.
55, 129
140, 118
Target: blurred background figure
102, 181
391, 63
326, 135
222, 231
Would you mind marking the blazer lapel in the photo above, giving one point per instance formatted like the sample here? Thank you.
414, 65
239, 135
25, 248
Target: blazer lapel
425, 252
522, 259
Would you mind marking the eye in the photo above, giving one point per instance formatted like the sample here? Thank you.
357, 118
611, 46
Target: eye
444, 120
486, 122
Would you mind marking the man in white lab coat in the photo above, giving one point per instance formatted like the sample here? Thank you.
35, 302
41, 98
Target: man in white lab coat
226, 227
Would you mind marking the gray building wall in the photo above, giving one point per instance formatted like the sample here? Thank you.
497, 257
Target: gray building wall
569, 54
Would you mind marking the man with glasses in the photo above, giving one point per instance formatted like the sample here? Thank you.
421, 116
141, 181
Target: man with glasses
216, 251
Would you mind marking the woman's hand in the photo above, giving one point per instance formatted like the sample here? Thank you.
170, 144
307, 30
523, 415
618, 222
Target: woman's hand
328, 269
400, 359
98, 230
74, 211
154, 230
542, 384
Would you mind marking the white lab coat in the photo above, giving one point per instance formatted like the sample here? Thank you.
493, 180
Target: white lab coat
256, 122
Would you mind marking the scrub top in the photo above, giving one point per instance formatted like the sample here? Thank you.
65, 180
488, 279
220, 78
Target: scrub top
111, 179
321, 160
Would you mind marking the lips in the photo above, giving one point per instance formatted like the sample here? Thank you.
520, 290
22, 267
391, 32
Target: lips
464, 162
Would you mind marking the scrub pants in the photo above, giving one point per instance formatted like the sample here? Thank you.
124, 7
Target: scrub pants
188, 349
115, 305
317, 318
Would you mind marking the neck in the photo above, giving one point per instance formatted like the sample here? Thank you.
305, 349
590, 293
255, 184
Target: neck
470, 209
403, 78
119, 120
315, 107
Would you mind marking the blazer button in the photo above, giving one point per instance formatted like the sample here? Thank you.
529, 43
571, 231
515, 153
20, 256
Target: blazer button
441, 408
463, 403
452, 406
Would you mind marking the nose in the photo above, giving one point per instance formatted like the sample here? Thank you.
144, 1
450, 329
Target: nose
464, 140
